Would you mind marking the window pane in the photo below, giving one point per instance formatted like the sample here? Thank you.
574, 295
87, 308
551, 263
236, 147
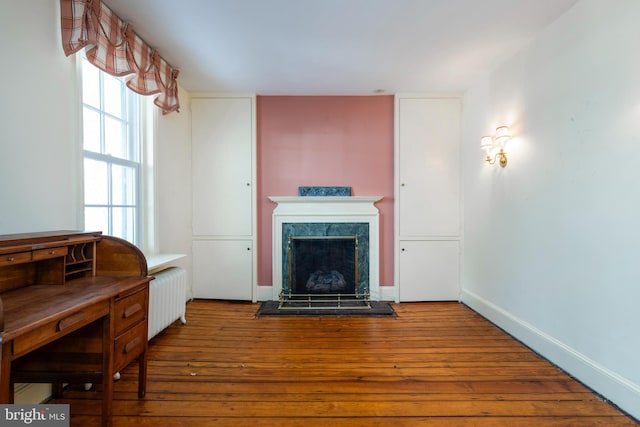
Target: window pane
96, 219
123, 185
113, 138
96, 181
110, 134
91, 130
113, 88
90, 84
123, 220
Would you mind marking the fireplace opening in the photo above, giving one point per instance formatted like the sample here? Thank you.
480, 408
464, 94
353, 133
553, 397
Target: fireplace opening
321, 265
325, 265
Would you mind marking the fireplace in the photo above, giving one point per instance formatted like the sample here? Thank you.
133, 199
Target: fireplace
325, 248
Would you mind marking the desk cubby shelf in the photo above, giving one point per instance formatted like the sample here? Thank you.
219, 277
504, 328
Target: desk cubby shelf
79, 260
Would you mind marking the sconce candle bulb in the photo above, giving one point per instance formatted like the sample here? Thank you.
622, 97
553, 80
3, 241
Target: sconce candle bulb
503, 134
486, 142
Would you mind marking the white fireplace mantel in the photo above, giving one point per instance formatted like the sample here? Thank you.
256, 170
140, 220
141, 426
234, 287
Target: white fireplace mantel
326, 205
321, 209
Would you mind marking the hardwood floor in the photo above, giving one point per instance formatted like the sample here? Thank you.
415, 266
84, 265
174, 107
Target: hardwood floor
435, 364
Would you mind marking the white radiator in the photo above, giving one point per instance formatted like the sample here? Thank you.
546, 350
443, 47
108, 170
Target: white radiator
167, 299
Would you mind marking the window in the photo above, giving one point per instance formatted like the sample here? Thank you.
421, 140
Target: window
112, 155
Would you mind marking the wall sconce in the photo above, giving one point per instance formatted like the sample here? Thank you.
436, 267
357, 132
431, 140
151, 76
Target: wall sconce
492, 143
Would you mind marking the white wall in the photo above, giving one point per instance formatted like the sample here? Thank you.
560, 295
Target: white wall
551, 241
38, 139
173, 183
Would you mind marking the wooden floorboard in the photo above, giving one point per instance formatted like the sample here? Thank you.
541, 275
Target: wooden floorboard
435, 364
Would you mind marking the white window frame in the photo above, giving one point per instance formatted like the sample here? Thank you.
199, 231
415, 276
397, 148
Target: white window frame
139, 130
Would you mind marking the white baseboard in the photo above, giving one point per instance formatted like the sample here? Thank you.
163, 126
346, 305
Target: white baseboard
388, 293
613, 387
31, 393
265, 293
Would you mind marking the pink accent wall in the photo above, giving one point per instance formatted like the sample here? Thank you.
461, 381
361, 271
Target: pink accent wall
322, 141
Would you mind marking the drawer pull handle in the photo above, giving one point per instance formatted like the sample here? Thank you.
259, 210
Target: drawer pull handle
52, 252
71, 320
131, 345
131, 310
11, 259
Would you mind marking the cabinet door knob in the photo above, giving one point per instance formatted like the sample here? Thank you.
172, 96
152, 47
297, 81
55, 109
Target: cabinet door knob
248, 249
402, 249
248, 184
402, 185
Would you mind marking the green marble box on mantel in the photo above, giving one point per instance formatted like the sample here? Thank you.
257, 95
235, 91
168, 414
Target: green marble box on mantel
315, 191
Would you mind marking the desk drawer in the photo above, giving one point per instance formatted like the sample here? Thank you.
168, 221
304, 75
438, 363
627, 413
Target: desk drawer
15, 258
49, 253
130, 310
58, 328
130, 345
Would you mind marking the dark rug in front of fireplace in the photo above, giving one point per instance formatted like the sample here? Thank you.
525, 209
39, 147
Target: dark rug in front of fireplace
377, 308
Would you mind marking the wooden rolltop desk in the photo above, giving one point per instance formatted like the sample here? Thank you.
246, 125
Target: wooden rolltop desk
73, 309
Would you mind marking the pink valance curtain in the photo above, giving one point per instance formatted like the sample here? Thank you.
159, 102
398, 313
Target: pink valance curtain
118, 50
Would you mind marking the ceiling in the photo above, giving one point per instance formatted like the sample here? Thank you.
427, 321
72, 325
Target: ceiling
336, 47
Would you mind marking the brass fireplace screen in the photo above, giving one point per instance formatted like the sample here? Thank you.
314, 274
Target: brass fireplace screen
322, 270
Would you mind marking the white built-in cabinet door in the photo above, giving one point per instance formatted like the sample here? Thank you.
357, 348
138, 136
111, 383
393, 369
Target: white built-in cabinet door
429, 270
427, 198
222, 149
223, 197
429, 173
221, 269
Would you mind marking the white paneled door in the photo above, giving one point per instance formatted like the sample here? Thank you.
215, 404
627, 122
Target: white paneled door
427, 198
222, 168
223, 197
429, 172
